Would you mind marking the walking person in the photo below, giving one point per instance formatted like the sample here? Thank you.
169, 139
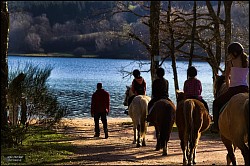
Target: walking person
100, 108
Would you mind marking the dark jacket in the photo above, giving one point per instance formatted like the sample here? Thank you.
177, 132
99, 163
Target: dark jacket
139, 86
160, 88
100, 102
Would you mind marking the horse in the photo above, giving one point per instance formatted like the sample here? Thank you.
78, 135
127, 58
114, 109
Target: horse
162, 115
192, 118
138, 110
234, 125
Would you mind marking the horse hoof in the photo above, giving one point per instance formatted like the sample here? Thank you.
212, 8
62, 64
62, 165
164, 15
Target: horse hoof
138, 145
157, 149
185, 162
144, 144
164, 154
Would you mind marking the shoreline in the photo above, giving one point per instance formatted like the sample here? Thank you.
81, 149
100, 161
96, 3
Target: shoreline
91, 119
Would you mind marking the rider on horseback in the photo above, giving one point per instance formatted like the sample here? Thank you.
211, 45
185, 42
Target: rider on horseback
159, 90
236, 79
138, 86
192, 87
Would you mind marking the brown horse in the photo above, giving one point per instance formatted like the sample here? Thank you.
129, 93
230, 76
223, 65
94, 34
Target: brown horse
192, 119
162, 115
138, 110
234, 125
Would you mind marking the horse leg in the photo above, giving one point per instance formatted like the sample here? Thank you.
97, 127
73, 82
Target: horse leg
190, 157
230, 149
164, 135
134, 129
138, 136
158, 143
163, 142
143, 141
244, 150
144, 134
184, 151
195, 147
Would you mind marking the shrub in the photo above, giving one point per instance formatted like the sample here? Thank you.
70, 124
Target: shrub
29, 93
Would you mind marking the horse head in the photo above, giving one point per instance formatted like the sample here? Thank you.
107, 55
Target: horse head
128, 94
219, 85
180, 95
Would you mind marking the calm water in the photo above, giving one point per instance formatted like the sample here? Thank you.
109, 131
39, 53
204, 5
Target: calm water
73, 80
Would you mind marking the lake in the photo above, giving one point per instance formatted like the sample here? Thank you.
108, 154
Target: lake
73, 80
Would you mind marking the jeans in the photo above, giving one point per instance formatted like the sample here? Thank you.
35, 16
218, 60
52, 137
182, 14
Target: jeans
103, 116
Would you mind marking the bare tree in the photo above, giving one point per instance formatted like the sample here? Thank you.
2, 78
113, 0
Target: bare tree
192, 35
4, 63
154, 24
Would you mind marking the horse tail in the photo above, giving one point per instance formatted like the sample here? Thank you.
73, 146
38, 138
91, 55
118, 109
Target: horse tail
188, 113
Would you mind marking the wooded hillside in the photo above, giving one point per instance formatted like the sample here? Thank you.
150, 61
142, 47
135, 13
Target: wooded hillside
86, 27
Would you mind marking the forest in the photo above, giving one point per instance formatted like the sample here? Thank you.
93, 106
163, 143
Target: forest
99, 28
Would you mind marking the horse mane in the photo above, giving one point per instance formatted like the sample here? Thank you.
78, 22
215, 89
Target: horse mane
219, 85
180, 95
130, 92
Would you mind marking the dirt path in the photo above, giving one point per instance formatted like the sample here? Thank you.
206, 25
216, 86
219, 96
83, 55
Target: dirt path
119, 150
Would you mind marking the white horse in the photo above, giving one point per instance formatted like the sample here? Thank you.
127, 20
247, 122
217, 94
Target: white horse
138, 111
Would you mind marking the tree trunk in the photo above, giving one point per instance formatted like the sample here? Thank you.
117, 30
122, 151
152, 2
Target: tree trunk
172, 49
4, 61
228, 27
154, 23
216, 22
192, 36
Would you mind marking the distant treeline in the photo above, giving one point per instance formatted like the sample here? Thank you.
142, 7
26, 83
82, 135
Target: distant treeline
77, 27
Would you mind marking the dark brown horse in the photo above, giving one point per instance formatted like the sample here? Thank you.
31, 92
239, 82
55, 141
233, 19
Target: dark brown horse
192, 119
162, 115
234, 124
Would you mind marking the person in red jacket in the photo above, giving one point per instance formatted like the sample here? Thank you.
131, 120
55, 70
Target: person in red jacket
100, 107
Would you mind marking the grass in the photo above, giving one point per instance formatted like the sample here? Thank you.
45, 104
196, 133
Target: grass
41, 147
